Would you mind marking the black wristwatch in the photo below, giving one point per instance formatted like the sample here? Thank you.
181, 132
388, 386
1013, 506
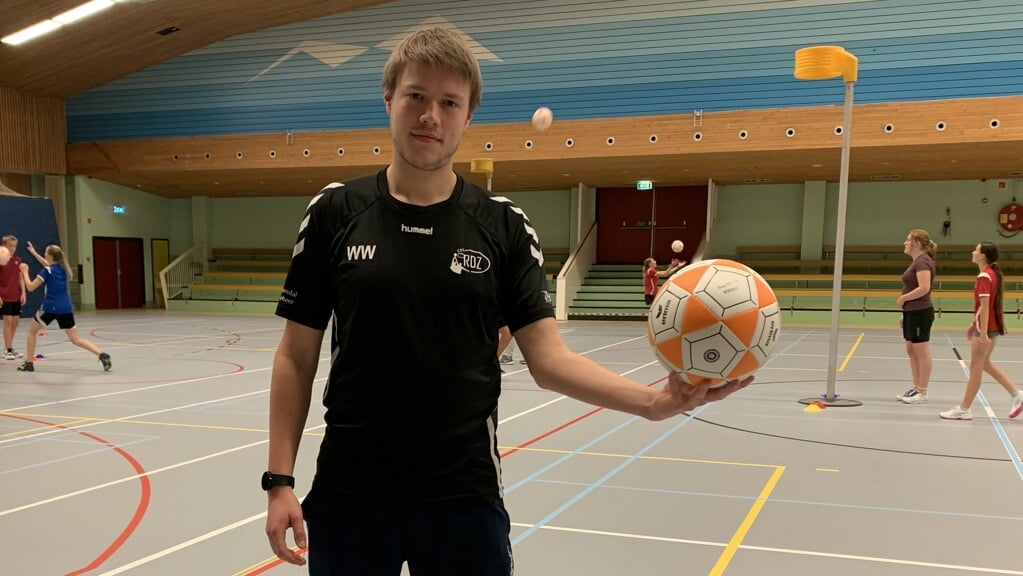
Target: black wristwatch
270, 480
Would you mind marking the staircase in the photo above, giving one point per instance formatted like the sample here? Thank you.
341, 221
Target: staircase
234, 280
610, 291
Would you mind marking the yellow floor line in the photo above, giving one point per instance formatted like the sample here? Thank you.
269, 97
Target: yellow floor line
851, 352
661, 458
747, 523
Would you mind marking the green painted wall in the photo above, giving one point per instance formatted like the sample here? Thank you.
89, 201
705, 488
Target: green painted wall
877, 213
550, 213
146, 216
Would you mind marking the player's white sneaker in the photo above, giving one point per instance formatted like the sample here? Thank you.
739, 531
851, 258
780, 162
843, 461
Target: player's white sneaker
957, 413
913, 396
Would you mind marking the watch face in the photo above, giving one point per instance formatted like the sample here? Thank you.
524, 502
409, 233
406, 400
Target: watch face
265, 481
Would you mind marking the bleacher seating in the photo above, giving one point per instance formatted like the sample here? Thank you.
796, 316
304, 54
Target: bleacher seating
257, 274
616, 290
242, 274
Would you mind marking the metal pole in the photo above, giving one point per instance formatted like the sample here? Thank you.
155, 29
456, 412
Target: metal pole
836, 289
653, 214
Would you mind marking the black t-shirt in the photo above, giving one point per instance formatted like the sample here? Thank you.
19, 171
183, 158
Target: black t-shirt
416, 295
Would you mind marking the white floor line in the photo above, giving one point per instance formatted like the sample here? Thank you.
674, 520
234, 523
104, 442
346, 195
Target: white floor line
560, 398
149, 473
141, 389
238, 524
77, 427
183, 545
876, 559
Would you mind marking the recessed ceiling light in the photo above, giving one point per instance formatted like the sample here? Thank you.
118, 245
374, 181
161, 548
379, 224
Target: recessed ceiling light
566, 174
816, 165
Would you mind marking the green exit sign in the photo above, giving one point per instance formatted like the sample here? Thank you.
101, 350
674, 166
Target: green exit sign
644, 185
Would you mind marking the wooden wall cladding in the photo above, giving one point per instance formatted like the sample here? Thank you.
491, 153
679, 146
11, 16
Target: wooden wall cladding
954, 139
17, 183
33, 133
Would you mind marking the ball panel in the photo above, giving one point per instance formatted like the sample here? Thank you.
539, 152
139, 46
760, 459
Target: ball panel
689, 277
665, 312
743, 325
766, 335
697, 317
748, 364
765, 294
669, 353
712, 352
727, 290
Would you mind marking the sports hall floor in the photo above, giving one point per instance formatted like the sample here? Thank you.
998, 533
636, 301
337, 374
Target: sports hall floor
152, 469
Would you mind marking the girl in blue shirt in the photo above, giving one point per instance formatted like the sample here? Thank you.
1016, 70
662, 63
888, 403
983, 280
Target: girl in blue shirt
56, 305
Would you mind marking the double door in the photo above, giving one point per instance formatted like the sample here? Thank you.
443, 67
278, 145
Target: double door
119, 271
635, 224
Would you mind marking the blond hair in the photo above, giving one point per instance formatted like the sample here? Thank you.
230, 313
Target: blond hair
436, 47
57, 255
922, 238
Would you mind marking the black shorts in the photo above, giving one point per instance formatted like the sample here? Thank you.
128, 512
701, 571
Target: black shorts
916, 325
348, 535
65, 321
11, 308
648, 298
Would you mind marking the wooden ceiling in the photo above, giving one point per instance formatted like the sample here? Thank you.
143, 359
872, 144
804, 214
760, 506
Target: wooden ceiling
124, 39
967, 148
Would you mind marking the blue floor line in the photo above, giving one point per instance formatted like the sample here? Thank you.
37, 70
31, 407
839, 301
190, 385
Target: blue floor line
606, 477
1006, 443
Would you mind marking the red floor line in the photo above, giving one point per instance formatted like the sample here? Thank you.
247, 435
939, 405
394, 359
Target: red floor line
140, 510
508, 452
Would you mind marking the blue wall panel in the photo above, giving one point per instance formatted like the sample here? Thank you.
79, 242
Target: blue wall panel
584, 59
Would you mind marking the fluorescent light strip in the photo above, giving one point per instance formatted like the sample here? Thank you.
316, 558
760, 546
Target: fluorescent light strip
30, 33
47, 26
87, 9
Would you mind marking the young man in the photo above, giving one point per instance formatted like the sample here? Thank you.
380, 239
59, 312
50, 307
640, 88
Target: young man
12, 296
408, 470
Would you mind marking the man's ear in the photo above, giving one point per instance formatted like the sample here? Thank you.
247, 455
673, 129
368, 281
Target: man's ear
468, 120
388, 95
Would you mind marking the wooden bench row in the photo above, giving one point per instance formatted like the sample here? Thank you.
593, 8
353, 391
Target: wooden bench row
1008, 251
199, 286
882, 299
966, 280
872, 264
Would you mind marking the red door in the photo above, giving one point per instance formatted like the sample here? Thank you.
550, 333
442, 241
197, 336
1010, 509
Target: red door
118, 265
623, 225
635, 224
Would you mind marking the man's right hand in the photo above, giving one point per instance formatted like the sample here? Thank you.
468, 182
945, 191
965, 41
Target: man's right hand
283, 512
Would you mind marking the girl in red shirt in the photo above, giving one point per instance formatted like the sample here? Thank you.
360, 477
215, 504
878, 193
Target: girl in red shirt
987, 325
652, 276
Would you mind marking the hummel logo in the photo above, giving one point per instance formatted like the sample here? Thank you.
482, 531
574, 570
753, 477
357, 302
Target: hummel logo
361, 252
417, 230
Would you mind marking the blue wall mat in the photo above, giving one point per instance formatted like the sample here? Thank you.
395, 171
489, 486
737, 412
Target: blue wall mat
31, 220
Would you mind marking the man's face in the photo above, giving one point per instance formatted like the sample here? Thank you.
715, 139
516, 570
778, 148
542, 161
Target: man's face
11, 245
429, 111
